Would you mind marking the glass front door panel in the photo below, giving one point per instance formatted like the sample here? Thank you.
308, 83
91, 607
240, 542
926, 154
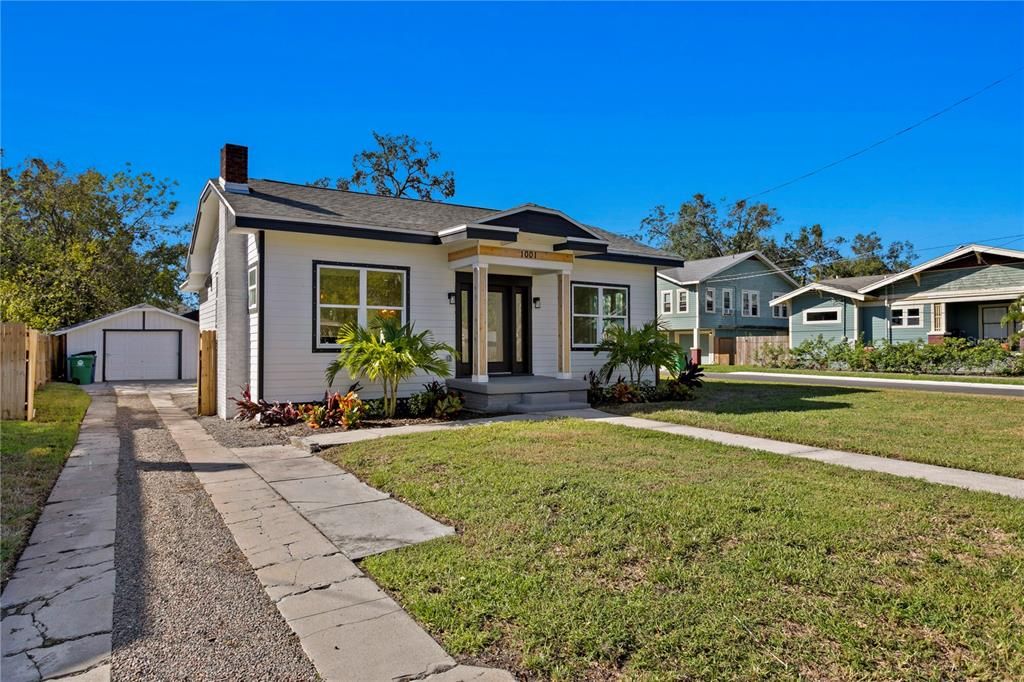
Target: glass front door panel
518, 325
496, 326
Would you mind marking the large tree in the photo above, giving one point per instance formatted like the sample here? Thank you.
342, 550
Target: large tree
702, 229
399, 166
77, 246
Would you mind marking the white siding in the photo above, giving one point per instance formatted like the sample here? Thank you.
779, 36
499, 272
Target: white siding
293, 371
90, 337
232, 315
252, 258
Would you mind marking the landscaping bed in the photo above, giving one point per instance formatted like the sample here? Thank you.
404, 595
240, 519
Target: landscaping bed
32, 455
979, 433
967, 378
589, 551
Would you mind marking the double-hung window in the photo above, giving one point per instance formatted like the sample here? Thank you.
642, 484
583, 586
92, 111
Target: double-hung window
709, 300
906, 317
596, 308
751, 303
780, 311
727, 308
253, 288
666, 301
682, 301
356, 295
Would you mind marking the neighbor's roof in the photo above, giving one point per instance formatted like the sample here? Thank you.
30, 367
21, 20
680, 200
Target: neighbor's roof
288, 201
705, 268
959, 252
841, 286
142, 307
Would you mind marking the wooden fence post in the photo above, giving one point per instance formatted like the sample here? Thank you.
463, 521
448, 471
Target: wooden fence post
207, 376
13, 375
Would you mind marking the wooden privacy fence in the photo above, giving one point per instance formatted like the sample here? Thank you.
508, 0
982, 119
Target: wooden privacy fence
207, 377
747, 347
28, 359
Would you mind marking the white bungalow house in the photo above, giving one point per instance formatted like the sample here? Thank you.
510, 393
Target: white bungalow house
524, 294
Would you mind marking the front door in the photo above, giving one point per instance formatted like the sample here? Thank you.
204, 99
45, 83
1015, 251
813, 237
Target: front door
508, 324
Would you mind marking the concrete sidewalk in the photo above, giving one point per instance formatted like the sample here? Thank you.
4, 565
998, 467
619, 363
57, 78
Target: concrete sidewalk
961, 387
961, 478
58, 605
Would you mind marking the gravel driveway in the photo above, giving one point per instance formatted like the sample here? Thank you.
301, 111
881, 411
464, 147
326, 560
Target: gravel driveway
187, 605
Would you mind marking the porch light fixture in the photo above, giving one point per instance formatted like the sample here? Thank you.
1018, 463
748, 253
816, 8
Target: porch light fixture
451, 298
536, 302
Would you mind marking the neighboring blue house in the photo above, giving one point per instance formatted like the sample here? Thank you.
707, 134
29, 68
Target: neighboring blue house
964, 293
708, 303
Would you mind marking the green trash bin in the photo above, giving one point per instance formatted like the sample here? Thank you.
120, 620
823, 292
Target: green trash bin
81, 367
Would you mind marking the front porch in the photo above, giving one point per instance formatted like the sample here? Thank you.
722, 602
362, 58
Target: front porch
522, 393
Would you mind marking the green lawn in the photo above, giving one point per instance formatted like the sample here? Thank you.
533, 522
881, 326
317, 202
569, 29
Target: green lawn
31, 457
589, 551
720, 369
979, 433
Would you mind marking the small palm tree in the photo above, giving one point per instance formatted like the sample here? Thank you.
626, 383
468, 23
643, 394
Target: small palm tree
636, 349
390, 352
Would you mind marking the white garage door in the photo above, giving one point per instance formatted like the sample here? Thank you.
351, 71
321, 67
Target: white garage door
133, 355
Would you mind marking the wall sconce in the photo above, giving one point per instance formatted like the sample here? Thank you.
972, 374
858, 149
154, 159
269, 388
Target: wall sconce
451, 298
536, 302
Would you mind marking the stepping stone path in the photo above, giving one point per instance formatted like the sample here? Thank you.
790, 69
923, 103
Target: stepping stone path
58, 605
301, 521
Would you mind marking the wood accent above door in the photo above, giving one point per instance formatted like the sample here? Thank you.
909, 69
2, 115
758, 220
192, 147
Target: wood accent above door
507, 252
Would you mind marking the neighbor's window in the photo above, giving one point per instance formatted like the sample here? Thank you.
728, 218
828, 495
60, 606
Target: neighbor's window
821, 315
780, 311
682, 301
709, 300
253, 289
355, 295
595, 308
751, 303
727, 301
666, 301
906, 317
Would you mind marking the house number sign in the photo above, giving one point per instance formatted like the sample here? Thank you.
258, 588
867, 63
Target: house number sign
527, 254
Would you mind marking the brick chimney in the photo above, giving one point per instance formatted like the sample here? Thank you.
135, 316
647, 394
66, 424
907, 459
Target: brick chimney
234, 168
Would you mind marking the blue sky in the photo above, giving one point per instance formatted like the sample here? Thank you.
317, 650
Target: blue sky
601, 110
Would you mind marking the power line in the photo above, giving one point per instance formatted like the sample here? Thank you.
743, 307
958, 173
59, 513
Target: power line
887, 139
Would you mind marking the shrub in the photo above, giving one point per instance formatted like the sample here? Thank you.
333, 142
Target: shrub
336, 410
625, 392
267, 413
814, 353
635, 349
774, 355
673, 389
595, 388
426, 403
449, 406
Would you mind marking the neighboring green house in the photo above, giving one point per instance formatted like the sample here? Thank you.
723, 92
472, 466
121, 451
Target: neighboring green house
964, 293
708, 303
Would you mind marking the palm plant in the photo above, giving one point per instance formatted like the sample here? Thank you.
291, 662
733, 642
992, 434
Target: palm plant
636, 350
389, 352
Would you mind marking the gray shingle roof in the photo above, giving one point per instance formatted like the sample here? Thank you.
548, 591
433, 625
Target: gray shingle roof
850, 283
288, 201
705, 268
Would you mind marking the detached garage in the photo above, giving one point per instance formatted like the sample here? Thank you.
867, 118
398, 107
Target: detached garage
141, 343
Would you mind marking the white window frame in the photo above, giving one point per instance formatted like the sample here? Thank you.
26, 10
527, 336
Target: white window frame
709, 299
941, 307
666, 302
903, 317
682, 301
600, 317
731, 308
362, 315
253, 287
780, 311
837, 311
750, 299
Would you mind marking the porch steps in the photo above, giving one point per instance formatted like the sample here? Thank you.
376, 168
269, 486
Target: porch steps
554, 401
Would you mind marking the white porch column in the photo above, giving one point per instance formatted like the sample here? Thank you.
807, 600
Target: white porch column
564, 326
480, 321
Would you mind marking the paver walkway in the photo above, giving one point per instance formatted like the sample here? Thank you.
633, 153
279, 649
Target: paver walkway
348, 626
961, 478
58, 606
965, 387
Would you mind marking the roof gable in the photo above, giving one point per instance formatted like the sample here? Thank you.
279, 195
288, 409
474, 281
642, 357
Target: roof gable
141, 307
979, 253
539, 220
696, 271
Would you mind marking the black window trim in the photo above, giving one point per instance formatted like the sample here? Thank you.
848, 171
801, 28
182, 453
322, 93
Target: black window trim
572, 308
338, 264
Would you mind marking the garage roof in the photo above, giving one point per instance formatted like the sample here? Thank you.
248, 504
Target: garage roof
142, 307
